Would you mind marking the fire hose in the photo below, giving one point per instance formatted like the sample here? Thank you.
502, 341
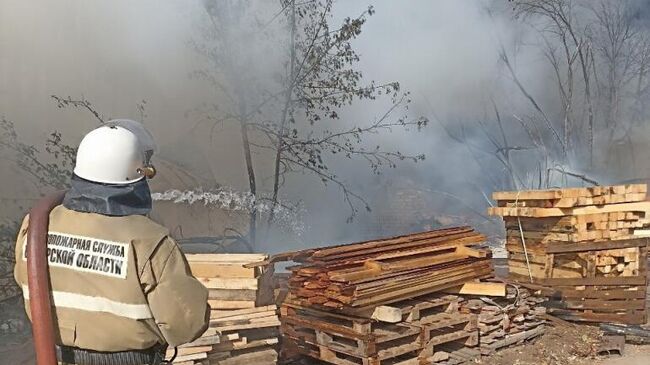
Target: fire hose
38, 279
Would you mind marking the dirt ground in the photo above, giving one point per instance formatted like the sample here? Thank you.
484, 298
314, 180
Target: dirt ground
575, 345
558, 346
14, 353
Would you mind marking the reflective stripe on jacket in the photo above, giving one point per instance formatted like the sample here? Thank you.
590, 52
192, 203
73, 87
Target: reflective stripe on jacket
118, 283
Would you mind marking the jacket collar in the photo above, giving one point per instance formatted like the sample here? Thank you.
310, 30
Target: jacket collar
108, 199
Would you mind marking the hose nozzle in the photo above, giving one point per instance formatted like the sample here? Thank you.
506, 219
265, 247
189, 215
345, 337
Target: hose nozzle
147, 171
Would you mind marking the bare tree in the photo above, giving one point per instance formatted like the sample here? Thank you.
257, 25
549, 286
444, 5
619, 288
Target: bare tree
295, 118
45, 167
621, 58
559, 20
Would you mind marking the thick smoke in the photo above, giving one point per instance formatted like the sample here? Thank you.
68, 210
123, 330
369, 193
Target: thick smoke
117, 54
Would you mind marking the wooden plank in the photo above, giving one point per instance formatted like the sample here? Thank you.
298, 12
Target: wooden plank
232, 294
383, 243
557, 247
387, 313
229, 258
252, 317
192, 357
188, 351
402, 249
222, 283
230, 304
527, 195
600, 305
601, 281
258, 358
242, 345
632, 317
239, 312
551, 194
479, 288
558, 212
205, 340
238, 327
221, 270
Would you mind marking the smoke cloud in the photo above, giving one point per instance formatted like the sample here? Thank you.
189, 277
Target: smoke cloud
118, 54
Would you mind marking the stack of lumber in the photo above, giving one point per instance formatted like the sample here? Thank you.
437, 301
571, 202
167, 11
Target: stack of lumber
363, 275
244, 325
573, 214
584, 243
506, 321
380, 302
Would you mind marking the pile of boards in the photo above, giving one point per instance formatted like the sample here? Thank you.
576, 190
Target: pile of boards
585, 246
244, 323
382, 303
506, 321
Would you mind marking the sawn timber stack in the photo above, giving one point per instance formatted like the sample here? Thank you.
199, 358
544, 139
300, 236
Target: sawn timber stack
585, 246
356, 278
381, 302
244, 323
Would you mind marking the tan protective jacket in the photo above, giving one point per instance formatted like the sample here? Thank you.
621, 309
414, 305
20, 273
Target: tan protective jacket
118, 283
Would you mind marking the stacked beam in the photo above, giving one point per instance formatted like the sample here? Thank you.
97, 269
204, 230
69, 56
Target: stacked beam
506, 321
380, 302
585, 245
244, 325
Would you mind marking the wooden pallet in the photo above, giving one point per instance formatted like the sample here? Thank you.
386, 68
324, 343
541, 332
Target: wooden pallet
444, 350
596, 299
294, 347
339, 339
358, 337
447, 327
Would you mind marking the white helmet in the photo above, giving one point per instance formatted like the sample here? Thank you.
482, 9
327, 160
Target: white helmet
116, 153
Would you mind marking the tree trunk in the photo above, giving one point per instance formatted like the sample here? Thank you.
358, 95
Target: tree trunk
285, 114
243, 122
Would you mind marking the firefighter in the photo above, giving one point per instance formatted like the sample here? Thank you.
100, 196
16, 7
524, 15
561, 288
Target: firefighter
121, 288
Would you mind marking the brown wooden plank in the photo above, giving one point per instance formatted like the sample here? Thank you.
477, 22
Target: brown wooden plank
372, 244
600, 305
221, 270
605, 281
563, 247
640, 293
232, 294
632, 317
558, 212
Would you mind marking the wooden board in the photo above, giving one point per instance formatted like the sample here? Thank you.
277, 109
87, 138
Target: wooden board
569, 192
554, 247
222, 270
229, 283
480, 288
231, 304
229, 258
558, 212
